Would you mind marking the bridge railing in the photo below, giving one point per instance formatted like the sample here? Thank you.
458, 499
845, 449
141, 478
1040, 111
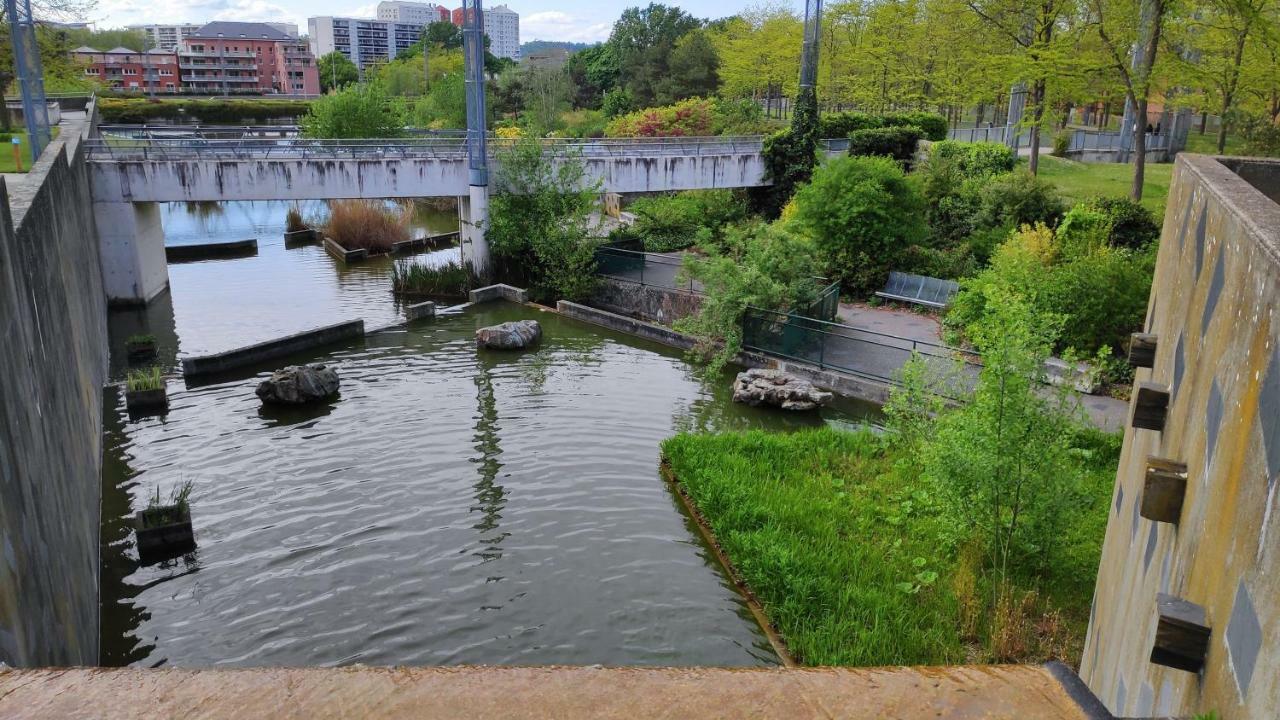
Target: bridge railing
122, 146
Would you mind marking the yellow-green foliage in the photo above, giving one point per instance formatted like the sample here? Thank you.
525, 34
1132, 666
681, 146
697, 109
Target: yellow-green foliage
143, 380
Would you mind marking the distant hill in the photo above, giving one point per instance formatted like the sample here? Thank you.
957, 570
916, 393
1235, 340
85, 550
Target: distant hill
539, 46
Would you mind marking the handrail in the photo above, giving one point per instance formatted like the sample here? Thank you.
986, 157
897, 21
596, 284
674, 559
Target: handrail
915, 344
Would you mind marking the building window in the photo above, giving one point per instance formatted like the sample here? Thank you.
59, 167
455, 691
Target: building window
131, 71
90, 71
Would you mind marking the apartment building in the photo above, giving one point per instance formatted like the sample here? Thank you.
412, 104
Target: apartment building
365, 41
502, 27
238, 57
413, 12
165, 37
124, 69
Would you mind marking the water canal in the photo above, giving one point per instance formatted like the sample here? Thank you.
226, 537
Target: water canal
450, 507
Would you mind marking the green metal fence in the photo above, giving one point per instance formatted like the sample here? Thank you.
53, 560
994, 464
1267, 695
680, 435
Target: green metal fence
852, 350
645, 268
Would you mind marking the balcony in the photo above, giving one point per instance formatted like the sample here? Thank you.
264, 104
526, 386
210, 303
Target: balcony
215, 54
218, 79
218, 66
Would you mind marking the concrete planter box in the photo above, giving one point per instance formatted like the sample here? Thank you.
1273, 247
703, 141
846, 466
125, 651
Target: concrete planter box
342, 254
420, 310
298, 238
429, 241
140, 351
163, 533
206, 251
147, 402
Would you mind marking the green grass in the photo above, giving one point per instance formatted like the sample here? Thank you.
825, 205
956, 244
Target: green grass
839, 554
6, 155
1079, 181
846, 550
1207, 144
142, 380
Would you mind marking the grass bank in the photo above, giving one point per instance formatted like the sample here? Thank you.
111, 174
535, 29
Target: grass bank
7, 163
852, 559
1079, 181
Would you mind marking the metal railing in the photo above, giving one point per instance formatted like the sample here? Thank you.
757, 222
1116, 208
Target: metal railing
1109, 141
115, 147
852, 350
650, 269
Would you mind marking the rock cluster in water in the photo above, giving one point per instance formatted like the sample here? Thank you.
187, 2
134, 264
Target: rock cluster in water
758, 386
515, 335
299, 384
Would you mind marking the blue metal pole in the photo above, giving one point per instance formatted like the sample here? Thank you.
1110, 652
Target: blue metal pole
29, 74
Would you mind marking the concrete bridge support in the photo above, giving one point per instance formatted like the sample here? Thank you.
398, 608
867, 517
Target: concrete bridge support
131, 250
473, 221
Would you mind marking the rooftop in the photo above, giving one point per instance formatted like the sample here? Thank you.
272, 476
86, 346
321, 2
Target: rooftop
242, 30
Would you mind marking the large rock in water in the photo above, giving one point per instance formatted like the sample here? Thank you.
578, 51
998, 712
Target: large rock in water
298, 384
515, 335
774, 387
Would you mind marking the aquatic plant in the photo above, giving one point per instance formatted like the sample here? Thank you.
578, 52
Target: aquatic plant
367, 224
448, 280
293, 221
178, 497
141, 339
144, 380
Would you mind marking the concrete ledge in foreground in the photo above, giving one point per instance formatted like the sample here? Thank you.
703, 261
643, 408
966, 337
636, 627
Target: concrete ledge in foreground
271, 349
955, 693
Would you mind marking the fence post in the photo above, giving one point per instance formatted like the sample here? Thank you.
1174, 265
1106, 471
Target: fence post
822, 351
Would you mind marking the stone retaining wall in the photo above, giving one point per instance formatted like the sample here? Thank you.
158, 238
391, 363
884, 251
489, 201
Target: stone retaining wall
53, 364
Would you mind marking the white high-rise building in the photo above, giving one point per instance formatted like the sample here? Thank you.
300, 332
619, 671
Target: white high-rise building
412, 12
502, 25
166, 37
363, 40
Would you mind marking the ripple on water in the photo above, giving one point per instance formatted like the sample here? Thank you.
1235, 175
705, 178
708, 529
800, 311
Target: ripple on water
451, 507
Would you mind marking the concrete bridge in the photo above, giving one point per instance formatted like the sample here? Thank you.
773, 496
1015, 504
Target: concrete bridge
129, 175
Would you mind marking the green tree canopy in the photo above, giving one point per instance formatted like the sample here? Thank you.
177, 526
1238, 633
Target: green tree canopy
336, 70
643, 39
355, 111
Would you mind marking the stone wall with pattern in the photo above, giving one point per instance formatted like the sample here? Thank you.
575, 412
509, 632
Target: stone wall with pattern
1215, 309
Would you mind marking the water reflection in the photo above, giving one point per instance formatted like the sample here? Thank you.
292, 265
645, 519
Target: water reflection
490, 496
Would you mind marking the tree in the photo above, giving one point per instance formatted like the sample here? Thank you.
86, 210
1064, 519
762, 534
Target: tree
538, 229
355, 111
444, 106
691, 69
643, 39
861, 213
336, 70
545, 95
593, 72
1222, 31
1124, 24
444, 35
1033, 29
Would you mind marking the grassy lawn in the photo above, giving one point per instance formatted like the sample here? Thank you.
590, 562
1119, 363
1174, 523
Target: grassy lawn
1079, 181
6, 155
850, 559
1207, 143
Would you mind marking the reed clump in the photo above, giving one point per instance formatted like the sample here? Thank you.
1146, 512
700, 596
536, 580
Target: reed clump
366, 224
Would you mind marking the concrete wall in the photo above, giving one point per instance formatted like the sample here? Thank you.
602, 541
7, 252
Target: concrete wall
54, 361
299, 179
645, 302
1214, 309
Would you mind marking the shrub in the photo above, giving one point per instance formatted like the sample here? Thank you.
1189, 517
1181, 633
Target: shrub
617, 102
583, 124
1061, 143
898, 143
141, 110
671, 222
974, 159
950, 263
932, 125
1131, 225
1019, 198
687, 118
367, 224
763, 266
1098, 292
739, 117
355, 111
538, 229
414, 278
861, 213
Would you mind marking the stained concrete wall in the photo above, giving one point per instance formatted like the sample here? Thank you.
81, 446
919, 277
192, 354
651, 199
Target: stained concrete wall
308, 179
646, 302
54, 361
1214, 307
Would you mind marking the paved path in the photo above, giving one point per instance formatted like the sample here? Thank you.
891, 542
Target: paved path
883, 359
567, 693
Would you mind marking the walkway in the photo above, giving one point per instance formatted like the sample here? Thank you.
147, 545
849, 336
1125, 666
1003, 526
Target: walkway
568, 693
1106, 412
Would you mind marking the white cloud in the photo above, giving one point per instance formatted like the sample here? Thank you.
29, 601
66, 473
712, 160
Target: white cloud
556, 25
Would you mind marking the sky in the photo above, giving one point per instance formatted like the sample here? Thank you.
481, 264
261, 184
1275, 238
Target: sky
572, 20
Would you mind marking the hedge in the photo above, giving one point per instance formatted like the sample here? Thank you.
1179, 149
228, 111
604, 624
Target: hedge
143, 110
837, 125
898, 143
976, 159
